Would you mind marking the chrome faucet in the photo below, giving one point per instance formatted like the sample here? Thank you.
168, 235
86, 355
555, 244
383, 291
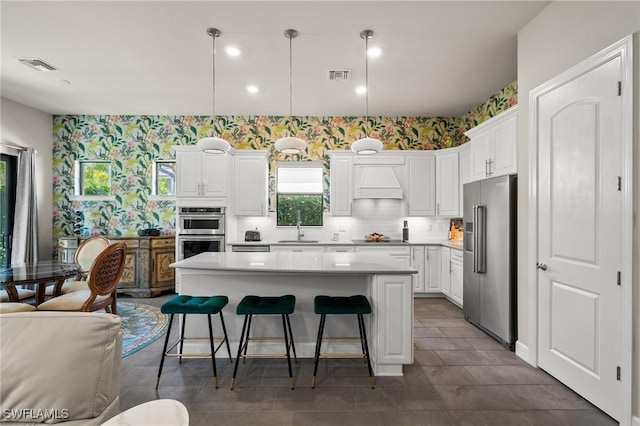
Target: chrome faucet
298, 223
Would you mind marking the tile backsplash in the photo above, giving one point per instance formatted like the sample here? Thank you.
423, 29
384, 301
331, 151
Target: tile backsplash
381, 216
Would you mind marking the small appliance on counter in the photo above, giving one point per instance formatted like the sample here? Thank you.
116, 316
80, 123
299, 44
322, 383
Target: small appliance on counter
252, 235
405, 232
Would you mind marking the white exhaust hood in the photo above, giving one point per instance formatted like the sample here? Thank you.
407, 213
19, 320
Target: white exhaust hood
376, 181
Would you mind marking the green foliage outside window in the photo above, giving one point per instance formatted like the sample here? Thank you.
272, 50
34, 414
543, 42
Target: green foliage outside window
310, 206
95, 178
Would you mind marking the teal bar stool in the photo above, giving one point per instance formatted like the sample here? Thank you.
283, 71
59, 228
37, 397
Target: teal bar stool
184, 304
352, 305
257, 305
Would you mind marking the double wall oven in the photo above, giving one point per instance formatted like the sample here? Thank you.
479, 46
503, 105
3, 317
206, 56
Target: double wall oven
200, 230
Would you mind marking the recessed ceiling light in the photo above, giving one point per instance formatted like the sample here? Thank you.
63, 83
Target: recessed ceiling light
361, 90
37, 64
374, 52
252, 89
232, 51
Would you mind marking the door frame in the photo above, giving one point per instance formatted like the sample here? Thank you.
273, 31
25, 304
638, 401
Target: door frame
624, 50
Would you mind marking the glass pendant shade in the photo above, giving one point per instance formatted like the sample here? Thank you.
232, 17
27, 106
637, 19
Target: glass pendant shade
213, 145
290, 145
366, 146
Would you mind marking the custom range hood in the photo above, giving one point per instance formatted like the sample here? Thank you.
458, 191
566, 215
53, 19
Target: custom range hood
376, 181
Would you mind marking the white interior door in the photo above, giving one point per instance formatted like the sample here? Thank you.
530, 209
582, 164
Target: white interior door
579, 131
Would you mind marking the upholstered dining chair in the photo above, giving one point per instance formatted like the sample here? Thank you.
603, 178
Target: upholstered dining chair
85, 254
102, 285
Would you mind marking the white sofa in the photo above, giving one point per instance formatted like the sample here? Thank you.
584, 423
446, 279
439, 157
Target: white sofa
59, 367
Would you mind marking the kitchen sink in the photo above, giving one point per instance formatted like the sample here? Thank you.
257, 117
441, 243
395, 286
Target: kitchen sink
299, 241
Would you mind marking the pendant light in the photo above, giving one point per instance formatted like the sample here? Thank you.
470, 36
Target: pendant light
290, 144
366, 145
214, 144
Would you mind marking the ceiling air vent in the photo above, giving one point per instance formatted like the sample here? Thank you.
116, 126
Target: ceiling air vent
37, 64
339, 75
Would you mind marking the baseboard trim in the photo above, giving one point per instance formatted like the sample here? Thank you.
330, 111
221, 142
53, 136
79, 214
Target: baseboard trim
522, 351
635, 421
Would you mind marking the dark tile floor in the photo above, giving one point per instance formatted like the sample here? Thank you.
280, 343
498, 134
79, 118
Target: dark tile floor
459, 377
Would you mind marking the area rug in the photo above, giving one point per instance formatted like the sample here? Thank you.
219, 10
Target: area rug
142, 325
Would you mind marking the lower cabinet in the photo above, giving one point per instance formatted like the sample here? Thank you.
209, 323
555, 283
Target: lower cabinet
445, 270
456, 277
298, 248
146, 266
432, 282
417, 262
400, 253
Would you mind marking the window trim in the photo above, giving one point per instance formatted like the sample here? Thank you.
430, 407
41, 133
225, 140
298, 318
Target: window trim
300, 165
154, 182
77, 190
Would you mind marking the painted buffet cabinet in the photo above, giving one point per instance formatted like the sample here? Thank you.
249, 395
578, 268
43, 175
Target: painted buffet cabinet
146, 272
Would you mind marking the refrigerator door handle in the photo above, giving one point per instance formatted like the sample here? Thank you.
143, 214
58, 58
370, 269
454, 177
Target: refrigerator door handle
474, 238
480, 236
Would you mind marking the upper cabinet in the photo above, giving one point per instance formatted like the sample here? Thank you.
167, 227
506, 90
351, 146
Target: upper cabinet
341, 189
200, 175
251, 182
464, 162
421, 185
494, 146
447, 187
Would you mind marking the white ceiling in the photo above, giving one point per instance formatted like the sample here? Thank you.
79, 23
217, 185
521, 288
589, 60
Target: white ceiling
155, 57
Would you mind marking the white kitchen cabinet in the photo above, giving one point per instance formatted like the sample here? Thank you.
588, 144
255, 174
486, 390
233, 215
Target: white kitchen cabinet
421, 185
200, 175
432, 265
251, 183
456, 277
494, 146
298, 248
445, 270
400, 253
417, 262
447, 184
464, 157
341, 181
340, 249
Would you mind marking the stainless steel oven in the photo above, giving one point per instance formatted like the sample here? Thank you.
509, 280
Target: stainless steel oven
200, 221
200, 230
190, 245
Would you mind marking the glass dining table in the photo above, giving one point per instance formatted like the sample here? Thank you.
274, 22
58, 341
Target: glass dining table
40, 274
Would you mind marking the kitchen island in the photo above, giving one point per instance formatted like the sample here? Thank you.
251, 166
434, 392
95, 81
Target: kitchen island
384, 281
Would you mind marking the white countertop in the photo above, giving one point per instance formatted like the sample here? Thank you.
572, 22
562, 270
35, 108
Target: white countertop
294, 262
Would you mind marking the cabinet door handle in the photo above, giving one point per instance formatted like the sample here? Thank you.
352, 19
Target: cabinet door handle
262, 208
490, 167
486, 168
437, 209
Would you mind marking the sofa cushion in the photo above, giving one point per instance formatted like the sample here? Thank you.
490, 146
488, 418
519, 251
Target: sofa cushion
61, 361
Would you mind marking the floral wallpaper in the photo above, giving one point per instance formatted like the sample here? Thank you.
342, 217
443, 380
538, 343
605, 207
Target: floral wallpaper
133, 143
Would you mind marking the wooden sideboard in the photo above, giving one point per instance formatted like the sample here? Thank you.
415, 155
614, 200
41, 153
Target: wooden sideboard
146, 271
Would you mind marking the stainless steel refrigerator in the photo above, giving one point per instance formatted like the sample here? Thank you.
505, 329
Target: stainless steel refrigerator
489, 288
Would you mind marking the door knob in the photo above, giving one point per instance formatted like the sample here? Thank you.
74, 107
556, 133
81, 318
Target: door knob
541, 266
